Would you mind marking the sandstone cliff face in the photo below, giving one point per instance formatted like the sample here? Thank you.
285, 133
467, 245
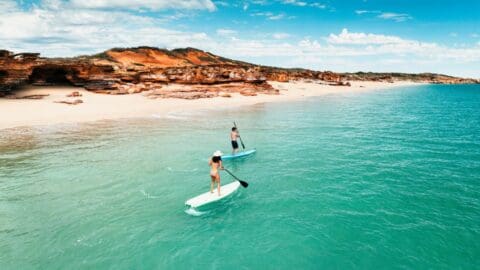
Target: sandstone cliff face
134, 70
15, 68
124, 71
23, 68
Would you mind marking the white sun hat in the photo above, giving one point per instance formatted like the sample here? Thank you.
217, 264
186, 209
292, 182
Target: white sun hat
217, 153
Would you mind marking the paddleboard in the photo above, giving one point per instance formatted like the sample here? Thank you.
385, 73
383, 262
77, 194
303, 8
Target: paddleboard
207, 197
239, 154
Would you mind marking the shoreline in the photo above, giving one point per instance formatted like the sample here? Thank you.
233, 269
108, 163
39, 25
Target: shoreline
96, 107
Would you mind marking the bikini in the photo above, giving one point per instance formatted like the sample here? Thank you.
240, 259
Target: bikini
214, 170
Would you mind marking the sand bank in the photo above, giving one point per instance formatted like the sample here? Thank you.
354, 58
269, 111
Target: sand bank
21, 112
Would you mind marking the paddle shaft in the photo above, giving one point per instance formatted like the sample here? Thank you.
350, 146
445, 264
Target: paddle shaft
243, 183
241, 141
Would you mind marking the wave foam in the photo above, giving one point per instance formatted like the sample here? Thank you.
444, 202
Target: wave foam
194, 212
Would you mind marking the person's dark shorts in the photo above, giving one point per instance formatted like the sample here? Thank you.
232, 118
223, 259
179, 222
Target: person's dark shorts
234, 144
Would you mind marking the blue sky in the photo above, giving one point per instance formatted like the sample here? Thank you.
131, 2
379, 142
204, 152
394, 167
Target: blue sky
341, 35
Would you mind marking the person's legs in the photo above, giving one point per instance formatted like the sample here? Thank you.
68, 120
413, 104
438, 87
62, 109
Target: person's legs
218, 184
234, 147
211, 183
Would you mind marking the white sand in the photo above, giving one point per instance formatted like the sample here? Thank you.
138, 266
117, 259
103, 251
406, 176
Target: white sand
17, 112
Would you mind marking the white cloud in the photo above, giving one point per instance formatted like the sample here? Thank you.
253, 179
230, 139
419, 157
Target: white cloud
361, 12
295, 3
145, 4
221, 3
259, 2
318, 5
8, 6
304, 4
346, 37
398, 17
226, 32
367, 44
280, 35
270, 15
66, 32
276, 17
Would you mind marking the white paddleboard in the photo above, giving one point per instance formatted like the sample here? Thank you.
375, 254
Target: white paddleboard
207, 197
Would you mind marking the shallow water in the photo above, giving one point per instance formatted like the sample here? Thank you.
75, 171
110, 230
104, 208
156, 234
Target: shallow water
387, 179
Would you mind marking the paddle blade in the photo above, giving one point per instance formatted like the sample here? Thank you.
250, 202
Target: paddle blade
243, 183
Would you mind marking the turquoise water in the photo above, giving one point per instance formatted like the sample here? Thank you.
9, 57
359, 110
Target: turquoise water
386, 179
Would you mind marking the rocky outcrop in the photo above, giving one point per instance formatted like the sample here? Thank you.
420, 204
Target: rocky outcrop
35, 96
285, 75
421, 77
127, 71
74, 94
135, 70
196, 91
74, 102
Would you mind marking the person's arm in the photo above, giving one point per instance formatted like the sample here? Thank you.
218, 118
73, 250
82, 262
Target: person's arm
221, 165
210, 162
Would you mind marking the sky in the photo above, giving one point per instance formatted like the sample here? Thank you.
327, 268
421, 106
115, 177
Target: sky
441, 36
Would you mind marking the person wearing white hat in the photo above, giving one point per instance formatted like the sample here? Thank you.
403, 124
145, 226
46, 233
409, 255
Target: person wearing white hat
215, 164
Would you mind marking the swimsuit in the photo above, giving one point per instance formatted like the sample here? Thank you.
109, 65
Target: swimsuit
234, 144
214, 170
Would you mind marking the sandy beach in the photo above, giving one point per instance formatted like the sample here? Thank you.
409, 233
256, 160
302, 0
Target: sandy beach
24, 112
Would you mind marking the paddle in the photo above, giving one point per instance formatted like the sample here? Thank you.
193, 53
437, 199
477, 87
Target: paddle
243, 183
241, 141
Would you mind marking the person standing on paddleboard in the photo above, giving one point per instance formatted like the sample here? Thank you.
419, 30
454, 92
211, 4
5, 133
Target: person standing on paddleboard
234, 135
215, 165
